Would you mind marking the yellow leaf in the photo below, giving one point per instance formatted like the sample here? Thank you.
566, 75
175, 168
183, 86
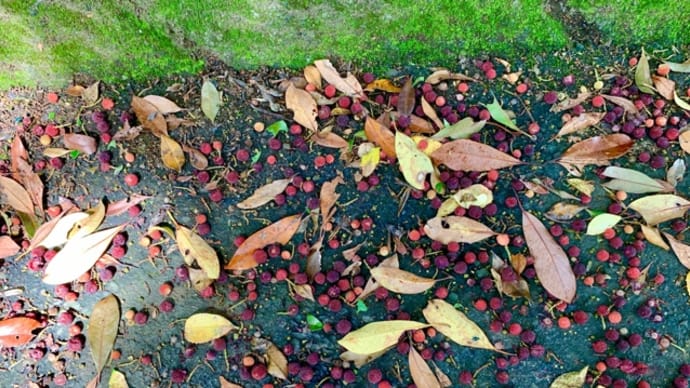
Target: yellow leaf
210, 100
602, 222
102, 330
370, 159
89, 224
383, 84
428, 145
457, 229
422, 375
654, 237
193, 247
171, 153
581, 185
117, 380
312, 75
414, 164
377, 336
475, 195
400, 281
205, 327
447, 207
574, 379
659, 208
264, 194
455, 325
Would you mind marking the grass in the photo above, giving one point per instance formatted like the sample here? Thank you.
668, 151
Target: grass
46, 42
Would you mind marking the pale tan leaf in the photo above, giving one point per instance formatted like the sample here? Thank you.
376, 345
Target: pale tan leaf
421, 373
581, 185
102, 330
82, 143
680, 102
601, 222
684, 140
443, 379
666, 87
676, 172
226, 384
8, 247
455, 325
211, 100
18, 153
75, 90
280, 231
468, 155
413, 163
659, 208
406, 98
328, 198
550, 261
54, 232
163, 105
277, 362
348, 85
571, 102
474, 195
627, 105
377, 336
149, 117
194, 248
119, 207
117, 380
78, 256
400, 281
303, 106
578, 123
430, 112
313, 76
171, 153
90, 224
264, 194
330, 140
31, 182
197, 159
574, 379
204, 327
513, 77
457, 229
16, 196
681, 250
371, 284
381, 136
53, 152
597, 150
631, 181
653, 235
444, 74
91, 93
127, 132
305, 291
564, 212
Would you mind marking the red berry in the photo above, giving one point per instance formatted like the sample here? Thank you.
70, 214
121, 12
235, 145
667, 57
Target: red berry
329, 91
131, 179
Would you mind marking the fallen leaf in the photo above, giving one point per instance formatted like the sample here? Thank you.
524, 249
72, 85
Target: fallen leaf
348, 85
280, 232
382, 84
680, 102
78, 256
359, 360
196, 158
370, 157
82, 143
91, 93
601, 222
406, 98
204, 327
474, 195
171, 153
277, 362
102, 330
421, 373
400, 281
413, 163
31, 182
18, 153
163, 105
681, 250
303, 106
121, 206
8, 247
574, 379
581, 185
194, 248
149, 117
456, 229
463, 129
371, 284
210, 100
512, 78
418, 124
443, 74
468, 155
199, 278
381, 136
550, 261
659, 208
455, 325
313, 76
330, 140
430, 112
54, 232
127, 132
643, 78
443, 379
16, 196
75, 90
570, 103
564, 212
631, 181
664, 86
597, 150
89, 224
675, 174
500, 116
117, 380
377, 336
53, 152
683, 67
17, 331
328, 198
653, 235
627, 105
578, 123
684, 140
304, 290
226, 384
264, 194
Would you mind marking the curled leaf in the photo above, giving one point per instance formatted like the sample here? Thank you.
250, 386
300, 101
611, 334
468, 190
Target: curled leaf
653, 235
303, 106
382, 84
659, 208
563, 212
474, 195
197, 159
406, 98
468, 155
149, 117
171, 153
664, 86
277, 362
264, 194
675, 173
501, 116
602, 222
681, 250
102, 330
210, 100
54, 232
13, 194
380, 135
455, 325
444, 74
204, 327
431, 113
312, 75
581, 185
457, 229
377, 336
279, 232
571, 102
402, 282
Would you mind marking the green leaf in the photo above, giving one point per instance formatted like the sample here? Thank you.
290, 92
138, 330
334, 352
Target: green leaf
314, 323
500, 115
256, 155
643, 78
463, 129
210, 100
51, 116
361, 306
277, 127
74, 154
602, 222
414, 164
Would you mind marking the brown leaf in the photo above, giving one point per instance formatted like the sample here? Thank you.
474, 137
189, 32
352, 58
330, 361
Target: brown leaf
313, 76
303, 106
400, 281
264, 194
91, 93
127, 132
550, 261
163, 105
13, 194
328, 197
597, 150
82, 143
277, 362
421, 373
171, 153
443, 74
371, 284
280, 232
149, 117
581, 122
419, 125
468, 155
430, 112
32, 182
681, 250
119, 207
653, 235
196, 158
570, 102
684, 140
348, 85
383, 84
8, 247
17, 331
406, 98
102, 330
75, 90
330, 140
626, 104
226, 384
457, 229
381, 136
564, 212
17, 153
666, 87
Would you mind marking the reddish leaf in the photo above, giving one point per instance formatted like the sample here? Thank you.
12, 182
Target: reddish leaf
197, 159
406, 98
149, 117
381, 136
81, 143
17, 331
123, 205
280, 232
330, 140
468, 155
597, 150
550, 261
8, 247
581, 122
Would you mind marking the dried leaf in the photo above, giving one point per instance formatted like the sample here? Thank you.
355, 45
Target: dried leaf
370, 158
413, 163
127, 133
382, 84
82, 143
31, 182
417, 124
421, 373
406, 98
313, 76
226, 384
377, 336
550, 261
90, 94
581, 185
13, 194
149, 117
681, 250
119, 207
264, 194
314, 259
372, 285
627, 105
659, 208
18, 154
52, 152
631, 181
564, 212
654, 236
430, 112
602, 222
204, 327
474, 195
679, 67
163, 105
443, 74
17, 331
328, 197
54, 232
468, 155
90, 224
78, 256
574, 379
381, 136
330, 140
675, 174
684, 140
304, 290
75, 90
303, 106
210, 100
199, 279
402, 282
8, 247
171, 153
456, 229
348, 85
597, 150
117, 380
455, 325
277, 362
664, 86
102, 330
570, 103
680, 102
463, 129
643, 78
581, 122
196, 158
359, 360
194, 248
280, 231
